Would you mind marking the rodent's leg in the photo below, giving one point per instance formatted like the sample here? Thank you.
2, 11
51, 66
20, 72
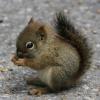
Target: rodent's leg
26, 62
35, 81
55, 77
39, 91
14, 58
18, 61
31, 80
34, 63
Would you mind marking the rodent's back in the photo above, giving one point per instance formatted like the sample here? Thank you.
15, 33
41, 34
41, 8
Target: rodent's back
66, 30
64, 64
66, 56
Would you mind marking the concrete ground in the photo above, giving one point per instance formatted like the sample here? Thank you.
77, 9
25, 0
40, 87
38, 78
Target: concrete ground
15, 14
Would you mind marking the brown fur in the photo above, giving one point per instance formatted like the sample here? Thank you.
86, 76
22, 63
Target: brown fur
55, 59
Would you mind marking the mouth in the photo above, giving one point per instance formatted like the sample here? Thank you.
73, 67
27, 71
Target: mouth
28, 56
21, 54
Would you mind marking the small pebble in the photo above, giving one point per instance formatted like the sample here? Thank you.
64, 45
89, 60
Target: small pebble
94, 31
98, 11
98, 45
95, 90
29, 9
85, 87
1, 21
87, 98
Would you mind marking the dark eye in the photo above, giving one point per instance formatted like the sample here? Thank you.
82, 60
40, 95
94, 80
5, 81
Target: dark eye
30, 45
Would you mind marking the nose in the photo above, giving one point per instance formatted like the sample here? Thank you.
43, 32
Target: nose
20, 54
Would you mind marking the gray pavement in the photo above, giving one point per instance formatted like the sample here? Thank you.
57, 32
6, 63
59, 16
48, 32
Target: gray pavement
15, 15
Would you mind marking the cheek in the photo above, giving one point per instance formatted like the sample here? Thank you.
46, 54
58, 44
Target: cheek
19, 54
30, 54
40, 44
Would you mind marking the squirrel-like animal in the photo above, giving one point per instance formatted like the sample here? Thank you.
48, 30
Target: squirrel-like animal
60, 56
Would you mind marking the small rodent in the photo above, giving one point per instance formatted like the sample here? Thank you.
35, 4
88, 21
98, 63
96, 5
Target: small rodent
60, 56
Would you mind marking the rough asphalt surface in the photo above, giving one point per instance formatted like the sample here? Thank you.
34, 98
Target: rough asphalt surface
15, 14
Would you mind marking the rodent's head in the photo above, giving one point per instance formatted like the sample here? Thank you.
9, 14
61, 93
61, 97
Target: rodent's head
30, 40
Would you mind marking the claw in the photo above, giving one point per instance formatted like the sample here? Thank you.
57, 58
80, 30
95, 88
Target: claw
38, 91
16, 61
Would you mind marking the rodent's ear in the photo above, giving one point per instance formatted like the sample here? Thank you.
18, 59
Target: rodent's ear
42, 32
42, 28
31, 21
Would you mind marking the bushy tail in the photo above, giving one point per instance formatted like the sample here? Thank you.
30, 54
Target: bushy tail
66, 30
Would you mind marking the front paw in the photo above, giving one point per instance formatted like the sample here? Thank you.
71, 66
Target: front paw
38, 91
18, 61
14, 58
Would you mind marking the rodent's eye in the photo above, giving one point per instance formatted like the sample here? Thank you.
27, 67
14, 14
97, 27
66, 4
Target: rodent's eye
30, 45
